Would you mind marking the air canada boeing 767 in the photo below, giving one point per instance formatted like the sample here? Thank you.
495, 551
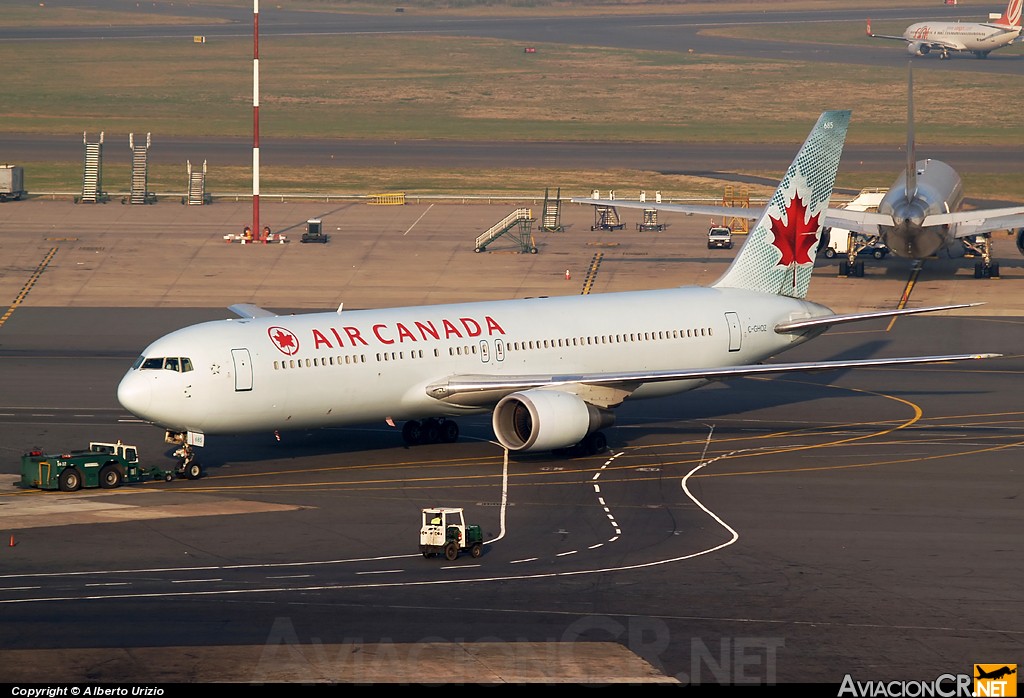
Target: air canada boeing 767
550, 371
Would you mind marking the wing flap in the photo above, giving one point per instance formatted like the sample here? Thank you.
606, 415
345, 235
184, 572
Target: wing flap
827, 321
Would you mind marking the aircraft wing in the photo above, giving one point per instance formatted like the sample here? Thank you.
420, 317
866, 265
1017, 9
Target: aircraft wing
688, 209
610, 389
248, 310
939, 45
848, 219
980, 220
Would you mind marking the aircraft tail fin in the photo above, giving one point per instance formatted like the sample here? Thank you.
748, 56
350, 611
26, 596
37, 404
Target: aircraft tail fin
778, 255
1011, 17
911, 188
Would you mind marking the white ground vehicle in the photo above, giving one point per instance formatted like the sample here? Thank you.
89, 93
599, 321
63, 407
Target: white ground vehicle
444, 531
719, 236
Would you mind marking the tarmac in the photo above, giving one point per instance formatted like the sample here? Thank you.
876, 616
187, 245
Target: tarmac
166, 255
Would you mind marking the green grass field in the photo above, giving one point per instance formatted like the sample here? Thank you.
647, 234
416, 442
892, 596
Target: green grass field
446, 88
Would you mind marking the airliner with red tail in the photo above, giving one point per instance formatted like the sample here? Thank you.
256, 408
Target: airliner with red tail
550, 371
945, 37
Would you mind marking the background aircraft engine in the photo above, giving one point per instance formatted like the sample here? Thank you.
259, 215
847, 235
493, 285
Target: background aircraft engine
543, 420
1020, 240
918, 49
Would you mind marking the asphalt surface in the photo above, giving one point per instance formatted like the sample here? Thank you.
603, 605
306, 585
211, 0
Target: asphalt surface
858, 522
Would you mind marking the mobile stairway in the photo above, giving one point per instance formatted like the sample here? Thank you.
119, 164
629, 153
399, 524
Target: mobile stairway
517, 225
197, 195
92, 175
140, 160
551, 220
607, 218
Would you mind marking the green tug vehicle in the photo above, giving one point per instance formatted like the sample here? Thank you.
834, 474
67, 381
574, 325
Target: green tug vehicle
103, 465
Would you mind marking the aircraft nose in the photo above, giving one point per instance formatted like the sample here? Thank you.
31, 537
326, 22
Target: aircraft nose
134, 394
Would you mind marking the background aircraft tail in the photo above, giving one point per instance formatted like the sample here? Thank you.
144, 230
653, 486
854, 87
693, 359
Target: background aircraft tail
778, 255
1011, 18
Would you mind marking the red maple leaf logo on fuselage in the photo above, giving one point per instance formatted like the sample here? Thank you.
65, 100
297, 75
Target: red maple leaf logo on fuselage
796, 238
284, 340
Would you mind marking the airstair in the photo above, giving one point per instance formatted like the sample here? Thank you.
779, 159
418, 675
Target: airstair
650, 222
517, 225
734, 199
92, 176
607, 218
197, 195
140, 156
551, 219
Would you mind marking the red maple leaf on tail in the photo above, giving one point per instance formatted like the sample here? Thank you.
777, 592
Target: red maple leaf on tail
795, 239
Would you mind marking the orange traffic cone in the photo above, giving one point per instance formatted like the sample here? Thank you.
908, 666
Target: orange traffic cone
12, 543
567, 276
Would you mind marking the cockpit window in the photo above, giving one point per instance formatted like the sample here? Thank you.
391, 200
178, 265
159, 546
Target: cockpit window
172, 363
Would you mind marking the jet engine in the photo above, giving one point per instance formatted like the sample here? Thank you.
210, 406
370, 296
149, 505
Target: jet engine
1020, 240
918, 49
543, 420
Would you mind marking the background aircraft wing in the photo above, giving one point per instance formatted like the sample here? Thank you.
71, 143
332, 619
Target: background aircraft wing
858, 221
610, 389
980, 220
848, 219
688, 209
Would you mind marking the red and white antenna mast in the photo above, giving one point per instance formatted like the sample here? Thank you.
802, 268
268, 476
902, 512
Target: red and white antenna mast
256, 120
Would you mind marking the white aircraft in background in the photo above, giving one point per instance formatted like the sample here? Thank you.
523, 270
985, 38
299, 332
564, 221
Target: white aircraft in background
919, 216
979, 38
550, 370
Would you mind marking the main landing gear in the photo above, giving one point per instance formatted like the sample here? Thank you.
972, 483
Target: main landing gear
981, 246
430, 431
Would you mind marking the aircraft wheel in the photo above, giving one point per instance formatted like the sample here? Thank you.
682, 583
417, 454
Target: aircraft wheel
194, 471
858, 270
993, 270
69, 480
110, 477
412, 432
979, 270
430, 432
595, 443
449, 431
844, 268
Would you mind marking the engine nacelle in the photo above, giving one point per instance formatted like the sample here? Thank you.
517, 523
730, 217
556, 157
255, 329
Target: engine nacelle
543, 420
1020, 240
918, 49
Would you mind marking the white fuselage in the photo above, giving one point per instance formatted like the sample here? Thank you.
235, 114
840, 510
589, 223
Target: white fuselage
355, 367
938, 189
964, 36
